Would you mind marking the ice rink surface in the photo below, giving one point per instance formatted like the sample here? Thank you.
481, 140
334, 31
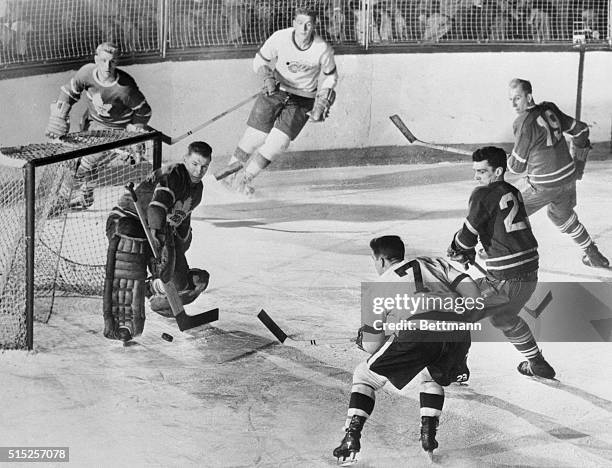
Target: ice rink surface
228, 395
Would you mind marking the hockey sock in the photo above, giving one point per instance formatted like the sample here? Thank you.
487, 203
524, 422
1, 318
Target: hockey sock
521, 337
431, 398
361, 402
257, 164
576, 230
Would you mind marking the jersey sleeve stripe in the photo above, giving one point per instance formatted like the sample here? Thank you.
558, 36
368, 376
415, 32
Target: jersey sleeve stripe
330, 72
458, 280
144, 101
461, 244
470, 227
516, 156
512, 265
549, 174
165, 189
159, 204
262, 57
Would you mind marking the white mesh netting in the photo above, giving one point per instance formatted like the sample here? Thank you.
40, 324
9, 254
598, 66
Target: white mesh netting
70, 243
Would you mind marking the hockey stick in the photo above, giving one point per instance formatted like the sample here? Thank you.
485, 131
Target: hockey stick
282, 336
229, 170
535, 313
398, 122
184, 321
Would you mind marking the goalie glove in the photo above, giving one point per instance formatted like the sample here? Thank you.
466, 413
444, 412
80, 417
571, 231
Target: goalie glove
323, 102
59, 123
465, 257
580, 157
270, 85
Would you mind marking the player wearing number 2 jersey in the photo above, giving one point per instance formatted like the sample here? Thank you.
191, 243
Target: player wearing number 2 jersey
497, 218
551, 168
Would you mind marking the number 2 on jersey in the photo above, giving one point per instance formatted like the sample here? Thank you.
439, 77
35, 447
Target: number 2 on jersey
510, 222
551, 125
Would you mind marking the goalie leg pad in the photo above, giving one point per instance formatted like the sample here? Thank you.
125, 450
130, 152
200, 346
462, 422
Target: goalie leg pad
124, 286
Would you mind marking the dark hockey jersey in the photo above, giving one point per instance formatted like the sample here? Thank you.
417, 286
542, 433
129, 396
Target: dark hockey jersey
168, 195
114, 105
540, 148
497, 216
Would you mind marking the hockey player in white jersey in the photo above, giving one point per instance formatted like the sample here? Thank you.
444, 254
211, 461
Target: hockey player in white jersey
299, 75
436, 358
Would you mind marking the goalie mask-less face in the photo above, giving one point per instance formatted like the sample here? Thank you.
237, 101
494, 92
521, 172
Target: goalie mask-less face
304, 26
197, 166
521, 100
106, 65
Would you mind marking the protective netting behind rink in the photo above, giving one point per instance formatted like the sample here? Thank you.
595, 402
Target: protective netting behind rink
35, 30
60, 30
70, 242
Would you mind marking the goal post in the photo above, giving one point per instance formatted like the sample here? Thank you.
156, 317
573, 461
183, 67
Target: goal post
47, 247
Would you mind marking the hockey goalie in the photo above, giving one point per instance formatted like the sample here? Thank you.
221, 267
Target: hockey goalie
168, 196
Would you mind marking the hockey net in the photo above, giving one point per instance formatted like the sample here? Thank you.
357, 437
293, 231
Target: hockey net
69, 242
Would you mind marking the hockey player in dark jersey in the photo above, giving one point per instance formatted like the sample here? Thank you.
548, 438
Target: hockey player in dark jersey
400, 356
113, 102
168, 196
497, 218
551, 169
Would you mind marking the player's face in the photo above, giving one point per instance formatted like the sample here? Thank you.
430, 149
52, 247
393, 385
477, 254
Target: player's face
197, 166
520, 99
304, 27
106, 64
484, 173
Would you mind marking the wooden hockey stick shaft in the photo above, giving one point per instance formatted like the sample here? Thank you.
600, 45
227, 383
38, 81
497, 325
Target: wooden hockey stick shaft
214, 119
184, 321
401, 126
282, 336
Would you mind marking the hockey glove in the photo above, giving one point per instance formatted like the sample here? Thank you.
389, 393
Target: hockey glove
465, 257
580, 157
59, 123
323, 102
270, 85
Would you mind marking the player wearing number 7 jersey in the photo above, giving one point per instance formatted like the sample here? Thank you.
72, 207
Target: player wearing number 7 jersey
497, 218
540, 151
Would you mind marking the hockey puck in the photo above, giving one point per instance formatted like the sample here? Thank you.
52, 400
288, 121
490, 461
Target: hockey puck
167, 337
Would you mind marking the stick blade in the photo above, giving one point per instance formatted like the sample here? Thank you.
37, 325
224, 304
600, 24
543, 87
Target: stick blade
535, 313
229, 170
187, 322
272, 326
401, 126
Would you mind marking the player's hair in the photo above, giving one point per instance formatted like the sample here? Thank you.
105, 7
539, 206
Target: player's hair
307, 10
523, 84
496, 157
201, 148
109, 48
389, 247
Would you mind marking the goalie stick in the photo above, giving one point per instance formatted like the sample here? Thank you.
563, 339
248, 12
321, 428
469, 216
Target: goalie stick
184, 321
173, 140
401, 126
282, 336
535, 312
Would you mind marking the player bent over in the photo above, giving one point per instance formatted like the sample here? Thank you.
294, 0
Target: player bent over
435, 357
113, 102
551, 169
299, 75
497, 218
168, 196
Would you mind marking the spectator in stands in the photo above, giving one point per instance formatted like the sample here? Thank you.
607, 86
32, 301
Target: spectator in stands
435, 25
540, 20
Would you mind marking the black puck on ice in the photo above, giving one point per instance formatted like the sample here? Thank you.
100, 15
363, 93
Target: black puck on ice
167, 337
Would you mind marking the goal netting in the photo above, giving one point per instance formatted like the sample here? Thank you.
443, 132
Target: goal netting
68, 238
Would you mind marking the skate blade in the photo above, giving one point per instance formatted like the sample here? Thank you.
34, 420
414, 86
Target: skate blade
351, 460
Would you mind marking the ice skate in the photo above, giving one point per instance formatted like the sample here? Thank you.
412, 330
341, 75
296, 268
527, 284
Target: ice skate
537, 367
347, 452
429, 425
594, 258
